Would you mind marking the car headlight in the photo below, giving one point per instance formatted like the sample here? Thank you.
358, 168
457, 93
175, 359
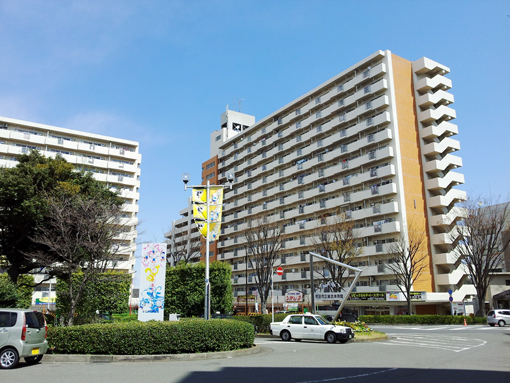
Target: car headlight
342, 330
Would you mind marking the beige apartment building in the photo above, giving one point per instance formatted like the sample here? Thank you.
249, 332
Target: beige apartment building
113, 161
376, 143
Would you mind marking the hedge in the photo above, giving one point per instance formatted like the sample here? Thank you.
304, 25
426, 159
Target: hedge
420, 319
261, 321
149, 338
16, 296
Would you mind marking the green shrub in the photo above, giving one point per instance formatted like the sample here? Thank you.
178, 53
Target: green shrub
356, 326
185, 289
261, 321
149, 338
417, 319
104, 292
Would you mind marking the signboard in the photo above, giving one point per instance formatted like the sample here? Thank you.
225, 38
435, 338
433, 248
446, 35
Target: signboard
152, 282
242, 298
367, 297
417, 296
44, 301
294, 296
214, 213
291, 307
458, 308
329, 296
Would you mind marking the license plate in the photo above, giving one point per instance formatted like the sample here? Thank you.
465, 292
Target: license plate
35, 351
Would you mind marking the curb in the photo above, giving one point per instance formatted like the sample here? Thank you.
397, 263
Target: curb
63, 358
355, 340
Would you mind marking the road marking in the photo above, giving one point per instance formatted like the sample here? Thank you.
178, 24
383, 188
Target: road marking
448, 327
447, 343
349, 377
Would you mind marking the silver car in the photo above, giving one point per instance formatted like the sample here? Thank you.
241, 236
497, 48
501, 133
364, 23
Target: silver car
498, 317
22, 335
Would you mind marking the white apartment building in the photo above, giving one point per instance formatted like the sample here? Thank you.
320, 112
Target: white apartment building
113, 161
374, 142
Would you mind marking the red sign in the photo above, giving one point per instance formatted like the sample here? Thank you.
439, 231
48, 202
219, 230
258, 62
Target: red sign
279, 271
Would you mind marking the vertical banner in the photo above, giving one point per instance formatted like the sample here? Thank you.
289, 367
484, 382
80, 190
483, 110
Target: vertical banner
200, 211
152, 282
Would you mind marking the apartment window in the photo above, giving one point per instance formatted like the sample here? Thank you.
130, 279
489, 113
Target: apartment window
340, 88
319, 143
320, 157
346, 181
370, 121
343, 148
343, 133
318, 114
209, 176
264, 154
299, 152
280, 173
345, 164
263, 142
298, 111
249, 138
302, 225
280, 134
235, 145
264, 167
298, 138
264, 180
282, 187
376, 209
235, 226
379, 248
249, 162
319, 129
322, 188
264, 193
282, 200
323, 204
371, 155
301, 209
341, 102
373, 172
280, 147
235, 168
218, 138
375, 189
300, 180
368, 105
367, 89
280, 160
317, 100
348, 214
298, 124
366, 73
249, 149
263, 130
249, 198
249, 185
321, 173
235, 156
280, 121
377, 228
282, 214
249, 210
235, 190
248, 172
371, 138
347, 197
235, 203
341, 117
301, 194
264, 205
302, 241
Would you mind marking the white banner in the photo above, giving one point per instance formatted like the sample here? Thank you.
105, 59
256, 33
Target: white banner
152, 282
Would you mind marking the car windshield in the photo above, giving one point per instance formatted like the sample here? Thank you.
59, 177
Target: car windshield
322, 320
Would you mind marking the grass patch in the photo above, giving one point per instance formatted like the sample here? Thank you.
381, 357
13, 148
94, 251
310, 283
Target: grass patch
370, 336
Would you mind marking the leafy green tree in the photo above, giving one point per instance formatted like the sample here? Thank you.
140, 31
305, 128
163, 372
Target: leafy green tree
24, 192
16, 295
185, 288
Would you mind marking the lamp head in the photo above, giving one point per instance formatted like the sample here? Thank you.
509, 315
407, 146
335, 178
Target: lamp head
230, 177
185, 178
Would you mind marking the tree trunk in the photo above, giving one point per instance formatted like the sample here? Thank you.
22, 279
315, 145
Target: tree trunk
481, 303
409, 305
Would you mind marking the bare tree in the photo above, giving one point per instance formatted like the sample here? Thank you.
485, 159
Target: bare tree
482, 242
184, 248
407, 260
338, 241
82, 234
263, 241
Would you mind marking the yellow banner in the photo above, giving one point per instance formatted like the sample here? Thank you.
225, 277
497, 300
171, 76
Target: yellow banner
200, 212
199, 195
214, 230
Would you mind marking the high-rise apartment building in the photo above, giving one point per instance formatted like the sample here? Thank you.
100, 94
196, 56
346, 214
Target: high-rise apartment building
374, 143
114, 161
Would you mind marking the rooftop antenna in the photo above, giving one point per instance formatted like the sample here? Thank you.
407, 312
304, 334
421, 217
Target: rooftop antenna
240, 101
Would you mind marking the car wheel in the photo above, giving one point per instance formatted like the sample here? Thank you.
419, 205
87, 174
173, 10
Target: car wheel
285, 335
33, 359
492, 324
331, 337
343, 341
501, 323
9, 358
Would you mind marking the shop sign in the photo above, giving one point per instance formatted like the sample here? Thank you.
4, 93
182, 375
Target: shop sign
417, 296
291, 307
367, 297
44, 301
293, 296
329, 296
242, 298
458, 308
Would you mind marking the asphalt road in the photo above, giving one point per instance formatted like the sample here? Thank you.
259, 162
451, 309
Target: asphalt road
412, 354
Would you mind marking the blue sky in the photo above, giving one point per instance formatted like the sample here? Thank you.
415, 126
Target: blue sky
162, 72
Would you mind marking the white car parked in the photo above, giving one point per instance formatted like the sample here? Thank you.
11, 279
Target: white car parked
498, 317
309, 326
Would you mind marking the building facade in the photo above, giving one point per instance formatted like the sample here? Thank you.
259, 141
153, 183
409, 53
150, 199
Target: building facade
375, 144
113, 161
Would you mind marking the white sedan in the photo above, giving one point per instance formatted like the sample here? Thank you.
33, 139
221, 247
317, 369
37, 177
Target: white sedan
309, 326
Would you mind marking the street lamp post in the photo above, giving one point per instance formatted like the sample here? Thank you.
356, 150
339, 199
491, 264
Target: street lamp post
185, 178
